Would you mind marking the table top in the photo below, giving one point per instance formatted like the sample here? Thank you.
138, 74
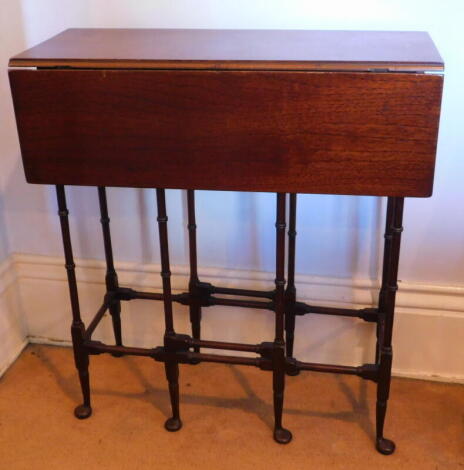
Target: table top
240, 110
235, 50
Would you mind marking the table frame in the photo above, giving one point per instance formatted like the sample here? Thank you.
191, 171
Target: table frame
275, 356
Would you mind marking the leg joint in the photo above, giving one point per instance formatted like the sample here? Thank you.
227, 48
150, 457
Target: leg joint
369, 314
271, 354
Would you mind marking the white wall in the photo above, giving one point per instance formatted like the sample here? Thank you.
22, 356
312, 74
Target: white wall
12, 322
338, 236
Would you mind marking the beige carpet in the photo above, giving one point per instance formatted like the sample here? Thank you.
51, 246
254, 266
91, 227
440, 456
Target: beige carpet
227, 415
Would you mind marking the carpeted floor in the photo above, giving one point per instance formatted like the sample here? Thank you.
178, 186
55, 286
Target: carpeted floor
227, 415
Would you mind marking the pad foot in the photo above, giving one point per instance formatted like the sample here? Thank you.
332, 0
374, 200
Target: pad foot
82, 411
282, 436
173, 424
385, 446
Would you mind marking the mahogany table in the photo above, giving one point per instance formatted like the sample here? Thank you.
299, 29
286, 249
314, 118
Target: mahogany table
329, 112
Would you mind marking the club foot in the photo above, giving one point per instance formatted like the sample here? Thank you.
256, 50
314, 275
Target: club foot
293, 372
385, 446
282, 436
173, 424
82, 411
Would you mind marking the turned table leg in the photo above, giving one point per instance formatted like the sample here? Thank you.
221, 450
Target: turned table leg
281, 435
81, 357
195, 298
111, 277
290, 291
171, 364
387, 297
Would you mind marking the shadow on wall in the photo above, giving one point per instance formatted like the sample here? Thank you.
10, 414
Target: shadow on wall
4, 246
338, 236
31, 215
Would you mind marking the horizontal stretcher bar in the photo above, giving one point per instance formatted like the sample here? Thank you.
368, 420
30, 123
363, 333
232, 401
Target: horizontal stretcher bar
99, 315
96, 347
224, 345
240, 303
300, 308
367, 371
223, 359
243, 292
123, 293
160, 353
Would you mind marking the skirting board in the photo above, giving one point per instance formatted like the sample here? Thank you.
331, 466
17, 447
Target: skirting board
13, 335
428, 336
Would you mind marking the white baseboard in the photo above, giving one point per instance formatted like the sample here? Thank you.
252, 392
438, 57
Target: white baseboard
428, 336
13, 354
13, 335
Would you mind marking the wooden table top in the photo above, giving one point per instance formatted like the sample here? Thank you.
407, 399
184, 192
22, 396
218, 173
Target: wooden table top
235, 50
278, 111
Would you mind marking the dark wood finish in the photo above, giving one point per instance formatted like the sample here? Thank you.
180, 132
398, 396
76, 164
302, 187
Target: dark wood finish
130, 294
98, 316
281, 435
337, 133
171, 365
235, 49
81, 357
367, 314
165, 266
243, 292
177, 347
387, 309
222, 359
241, 303
244, 110
195, 297
290, 291
111, 278
366, 371
207, 300
228, 346
96, 347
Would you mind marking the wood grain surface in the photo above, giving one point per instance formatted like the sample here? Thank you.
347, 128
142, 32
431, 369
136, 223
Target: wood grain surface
305, 132
235, 49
